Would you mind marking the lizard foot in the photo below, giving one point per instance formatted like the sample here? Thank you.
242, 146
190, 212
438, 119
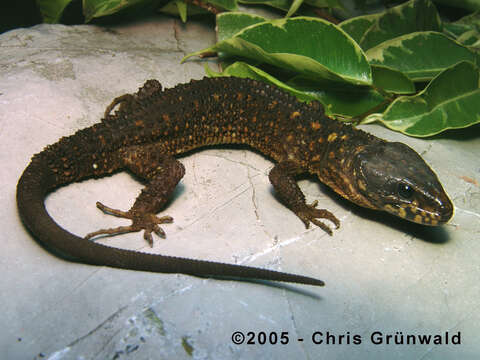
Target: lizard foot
147, 222
310, 213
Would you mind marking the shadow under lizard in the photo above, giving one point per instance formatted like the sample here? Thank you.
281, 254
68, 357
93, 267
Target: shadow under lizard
153, 125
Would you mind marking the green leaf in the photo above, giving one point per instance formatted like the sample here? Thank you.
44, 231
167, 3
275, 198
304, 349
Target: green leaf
340, 101
357, 26
413, 16
472, 5
172, 8
450, 101
346, 103
463, 25
52, 10
230, 23
182, 10
230, 5
470, 38
325, 51
332, 4
454, 30
294, 7
472, 20
285, 5
244, 70
466, 30
391, 80
421, 55
97, 8
349, 103
277, 4
182, 7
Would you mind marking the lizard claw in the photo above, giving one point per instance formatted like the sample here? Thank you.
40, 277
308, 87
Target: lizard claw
159, 231
310, 214
147, 222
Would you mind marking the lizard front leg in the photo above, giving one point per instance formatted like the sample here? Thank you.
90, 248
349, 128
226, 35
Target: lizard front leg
282, 177
162, 174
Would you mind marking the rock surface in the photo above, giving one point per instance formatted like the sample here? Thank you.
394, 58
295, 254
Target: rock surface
382, 274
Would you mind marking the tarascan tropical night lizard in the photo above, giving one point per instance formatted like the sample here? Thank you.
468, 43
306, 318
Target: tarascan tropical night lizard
153, 125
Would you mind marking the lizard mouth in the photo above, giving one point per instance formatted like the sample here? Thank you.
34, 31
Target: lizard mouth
446, 211
432, 217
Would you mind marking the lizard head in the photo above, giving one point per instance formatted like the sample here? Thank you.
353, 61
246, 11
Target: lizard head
394, 178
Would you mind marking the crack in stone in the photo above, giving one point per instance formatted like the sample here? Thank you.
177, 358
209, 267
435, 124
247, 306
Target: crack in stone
215, 208
235, 161
61, 353
278, 245
254, 196
426, 150
467, 211
101, 325
194, 172
176, 36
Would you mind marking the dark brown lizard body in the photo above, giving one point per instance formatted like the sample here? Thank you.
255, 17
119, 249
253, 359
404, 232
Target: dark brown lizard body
153, 125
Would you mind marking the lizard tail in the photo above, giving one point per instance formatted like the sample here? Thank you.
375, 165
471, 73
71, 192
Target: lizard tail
36, 182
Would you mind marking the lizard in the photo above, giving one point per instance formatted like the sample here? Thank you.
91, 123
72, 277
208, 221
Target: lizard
151, 126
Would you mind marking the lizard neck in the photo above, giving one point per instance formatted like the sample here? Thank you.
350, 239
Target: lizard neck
335, 164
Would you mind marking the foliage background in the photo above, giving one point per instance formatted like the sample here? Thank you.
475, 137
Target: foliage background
405, 64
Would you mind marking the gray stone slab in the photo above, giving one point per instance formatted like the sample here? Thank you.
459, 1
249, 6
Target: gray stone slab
382, 274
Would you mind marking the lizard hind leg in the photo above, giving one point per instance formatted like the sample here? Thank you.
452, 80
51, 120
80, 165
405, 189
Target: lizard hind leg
162, 173
147, 222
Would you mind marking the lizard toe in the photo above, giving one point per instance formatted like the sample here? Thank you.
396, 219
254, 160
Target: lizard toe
140, 221
310, 214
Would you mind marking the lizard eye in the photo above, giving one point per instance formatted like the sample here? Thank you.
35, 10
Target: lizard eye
405, 191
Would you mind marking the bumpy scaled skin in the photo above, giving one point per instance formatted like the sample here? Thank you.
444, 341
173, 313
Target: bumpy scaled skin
153, 125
